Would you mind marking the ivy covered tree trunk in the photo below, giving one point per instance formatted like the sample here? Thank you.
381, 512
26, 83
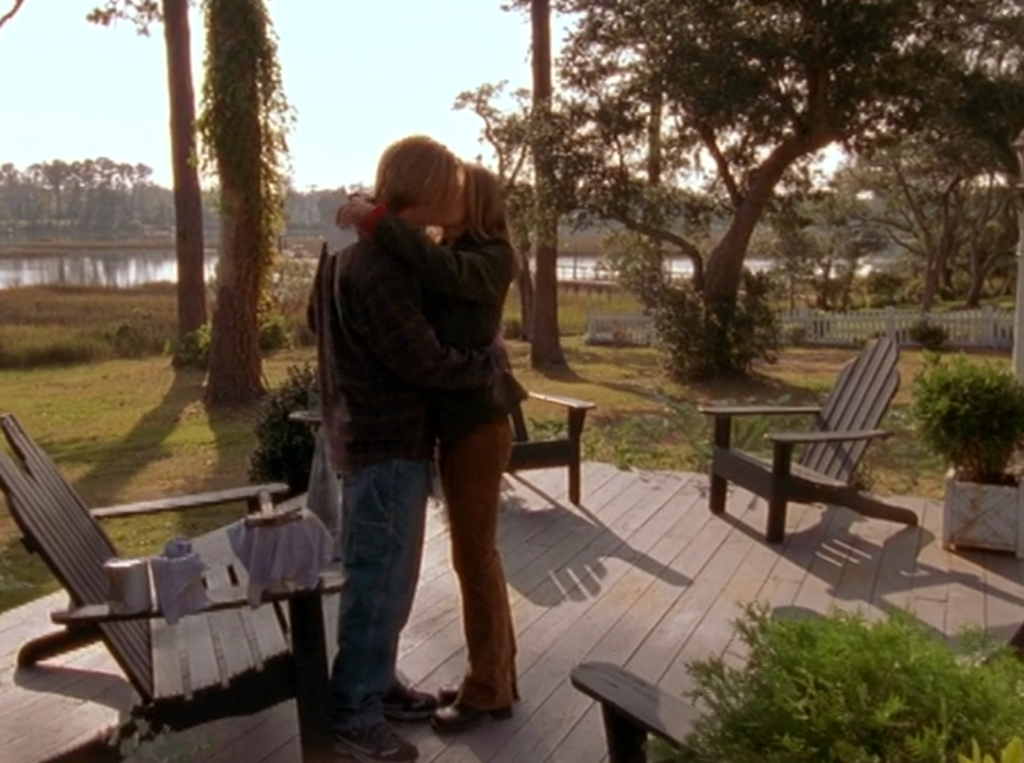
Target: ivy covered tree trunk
188, 201
545, 337
243, 124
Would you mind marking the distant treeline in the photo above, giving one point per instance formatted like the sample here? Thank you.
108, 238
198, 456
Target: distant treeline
102, 198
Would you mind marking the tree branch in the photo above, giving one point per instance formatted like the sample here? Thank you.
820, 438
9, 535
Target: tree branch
513, 175
645, 229
707, 137
11, 13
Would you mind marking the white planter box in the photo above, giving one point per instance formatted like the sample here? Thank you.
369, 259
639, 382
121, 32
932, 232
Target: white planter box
983, 516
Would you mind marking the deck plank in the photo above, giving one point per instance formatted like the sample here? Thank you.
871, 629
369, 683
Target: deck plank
640, 574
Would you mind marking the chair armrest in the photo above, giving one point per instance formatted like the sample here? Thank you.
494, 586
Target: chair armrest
806, 438
249, 494
759, 410
634, 701
234, 597
565, 402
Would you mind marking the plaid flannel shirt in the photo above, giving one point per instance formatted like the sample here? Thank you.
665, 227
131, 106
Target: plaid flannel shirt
378, 357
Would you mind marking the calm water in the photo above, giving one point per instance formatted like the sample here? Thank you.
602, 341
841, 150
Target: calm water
121, 268
125, 268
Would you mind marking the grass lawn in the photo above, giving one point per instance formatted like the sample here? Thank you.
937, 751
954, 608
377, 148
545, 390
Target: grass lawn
124, 430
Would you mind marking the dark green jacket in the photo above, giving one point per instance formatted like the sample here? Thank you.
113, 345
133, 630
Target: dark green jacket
465, 286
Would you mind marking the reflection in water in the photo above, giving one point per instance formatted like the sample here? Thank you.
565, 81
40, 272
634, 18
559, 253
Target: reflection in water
125, 268
122, 268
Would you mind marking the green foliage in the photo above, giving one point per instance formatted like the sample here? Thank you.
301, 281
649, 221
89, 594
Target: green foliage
703, 341
885, 288
838, 689
1012, 753
243, 76
275, 332
193, 349
284, 449
930, 336
142, 13
138, 336
971, 414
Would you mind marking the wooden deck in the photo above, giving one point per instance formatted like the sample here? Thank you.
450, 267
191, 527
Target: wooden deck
641, 575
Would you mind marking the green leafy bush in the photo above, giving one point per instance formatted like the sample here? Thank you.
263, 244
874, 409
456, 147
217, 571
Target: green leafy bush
707, 341
838, 689
137, 337
275, 332
885, 288
930, 336
1012, 753
284, 449
971, 414
192, 350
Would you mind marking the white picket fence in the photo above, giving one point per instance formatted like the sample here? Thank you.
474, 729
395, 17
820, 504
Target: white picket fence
986, 327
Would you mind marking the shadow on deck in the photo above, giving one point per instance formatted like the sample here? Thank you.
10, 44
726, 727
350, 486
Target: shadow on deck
640, 575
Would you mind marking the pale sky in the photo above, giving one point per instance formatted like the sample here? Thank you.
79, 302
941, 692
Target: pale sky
360, 74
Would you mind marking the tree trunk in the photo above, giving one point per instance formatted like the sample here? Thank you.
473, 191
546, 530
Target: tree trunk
931, 282
976, 289
545, 340
724, 269
188, 203
235, 377
524, 284
235, 363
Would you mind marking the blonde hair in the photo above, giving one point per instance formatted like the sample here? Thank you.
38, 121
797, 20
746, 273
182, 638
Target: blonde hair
414, 171
485, 205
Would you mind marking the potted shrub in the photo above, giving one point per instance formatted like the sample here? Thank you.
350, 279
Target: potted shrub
972, 415
839, 688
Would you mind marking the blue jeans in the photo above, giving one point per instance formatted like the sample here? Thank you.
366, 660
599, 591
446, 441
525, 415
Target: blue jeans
383, 517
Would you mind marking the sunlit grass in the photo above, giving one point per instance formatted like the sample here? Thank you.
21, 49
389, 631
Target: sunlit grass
126, 430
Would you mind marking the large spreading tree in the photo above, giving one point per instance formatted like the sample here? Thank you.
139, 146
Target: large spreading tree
668, 104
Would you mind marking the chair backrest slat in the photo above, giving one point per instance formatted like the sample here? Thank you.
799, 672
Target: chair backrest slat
858, 401
57, 524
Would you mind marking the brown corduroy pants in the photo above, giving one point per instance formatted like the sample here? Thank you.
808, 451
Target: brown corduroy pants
471, 469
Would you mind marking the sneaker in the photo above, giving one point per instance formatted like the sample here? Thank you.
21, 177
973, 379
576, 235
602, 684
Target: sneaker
373, 745
403, 703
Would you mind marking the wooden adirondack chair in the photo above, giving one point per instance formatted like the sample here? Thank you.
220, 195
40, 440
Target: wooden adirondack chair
227, 661
832, 449
528, 453
559, 451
